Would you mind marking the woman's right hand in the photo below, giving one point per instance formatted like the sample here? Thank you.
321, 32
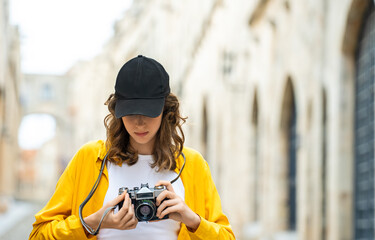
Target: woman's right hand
124, 219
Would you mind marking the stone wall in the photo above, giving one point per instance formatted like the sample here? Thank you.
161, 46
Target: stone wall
10, 112
240, 68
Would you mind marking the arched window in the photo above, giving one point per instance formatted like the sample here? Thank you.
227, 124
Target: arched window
255, 158
324, 143
204, 130
292, 130
289, 151
364, 131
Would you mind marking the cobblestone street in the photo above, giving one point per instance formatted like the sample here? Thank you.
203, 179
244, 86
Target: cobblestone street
16, 223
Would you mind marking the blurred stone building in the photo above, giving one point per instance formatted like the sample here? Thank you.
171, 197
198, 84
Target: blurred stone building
10, 113
280, 100
41, 164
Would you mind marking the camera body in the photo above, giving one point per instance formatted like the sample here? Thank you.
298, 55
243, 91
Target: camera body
144, 200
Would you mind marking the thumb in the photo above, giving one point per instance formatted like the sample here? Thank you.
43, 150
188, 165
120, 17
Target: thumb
118, 199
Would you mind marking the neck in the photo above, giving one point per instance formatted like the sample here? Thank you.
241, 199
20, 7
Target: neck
143, 149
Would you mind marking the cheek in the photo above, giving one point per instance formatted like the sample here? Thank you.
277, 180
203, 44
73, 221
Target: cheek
124, 122
156, 125
127, 124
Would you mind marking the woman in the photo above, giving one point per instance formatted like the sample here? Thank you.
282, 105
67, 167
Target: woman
144, 146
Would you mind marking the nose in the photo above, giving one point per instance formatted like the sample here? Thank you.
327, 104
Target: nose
140, 120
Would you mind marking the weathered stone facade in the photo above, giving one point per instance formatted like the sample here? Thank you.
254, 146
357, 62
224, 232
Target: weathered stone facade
39, 168
269, 89
10, 113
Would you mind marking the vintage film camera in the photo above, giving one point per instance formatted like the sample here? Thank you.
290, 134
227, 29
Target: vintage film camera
144, 200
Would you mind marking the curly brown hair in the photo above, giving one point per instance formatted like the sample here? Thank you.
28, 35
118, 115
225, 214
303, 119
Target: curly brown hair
168, 143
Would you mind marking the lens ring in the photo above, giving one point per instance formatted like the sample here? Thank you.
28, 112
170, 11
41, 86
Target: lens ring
145, 215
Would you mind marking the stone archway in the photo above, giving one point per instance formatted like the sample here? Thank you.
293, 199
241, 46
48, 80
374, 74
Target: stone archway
354, 24
358, 93
364, 130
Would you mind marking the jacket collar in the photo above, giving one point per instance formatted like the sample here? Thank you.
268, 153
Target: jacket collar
101, 154
103, 151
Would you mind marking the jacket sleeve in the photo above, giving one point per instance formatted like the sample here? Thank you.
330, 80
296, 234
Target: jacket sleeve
55, 221
214, 225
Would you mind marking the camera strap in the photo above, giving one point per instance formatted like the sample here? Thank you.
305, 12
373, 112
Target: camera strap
182, 168
84, 224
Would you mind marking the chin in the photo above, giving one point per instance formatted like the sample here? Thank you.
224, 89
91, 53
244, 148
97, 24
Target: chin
143, 141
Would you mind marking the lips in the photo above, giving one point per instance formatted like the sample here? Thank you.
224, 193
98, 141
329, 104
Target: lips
141, 134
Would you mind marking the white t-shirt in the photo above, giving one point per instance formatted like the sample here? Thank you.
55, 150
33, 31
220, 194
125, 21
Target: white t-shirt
134, 176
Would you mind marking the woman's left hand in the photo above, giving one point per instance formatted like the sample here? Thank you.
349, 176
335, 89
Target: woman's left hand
175, 207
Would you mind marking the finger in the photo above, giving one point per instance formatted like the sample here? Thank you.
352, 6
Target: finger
130, 201
167, 184
117, 199
166, 204
132, 213
169, 210
130, 221
125, 206
129, 216
135, 219
133, 224
164, 195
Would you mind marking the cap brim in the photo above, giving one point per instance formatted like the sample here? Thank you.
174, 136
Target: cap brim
147, 107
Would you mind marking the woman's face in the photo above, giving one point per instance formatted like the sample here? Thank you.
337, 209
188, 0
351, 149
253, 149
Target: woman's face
142, 131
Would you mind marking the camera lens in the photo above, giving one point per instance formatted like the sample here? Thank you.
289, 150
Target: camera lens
145, 211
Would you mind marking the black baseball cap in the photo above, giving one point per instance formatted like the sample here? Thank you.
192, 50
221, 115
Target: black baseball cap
141, 87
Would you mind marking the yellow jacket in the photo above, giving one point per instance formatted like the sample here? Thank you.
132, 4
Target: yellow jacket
59, 219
